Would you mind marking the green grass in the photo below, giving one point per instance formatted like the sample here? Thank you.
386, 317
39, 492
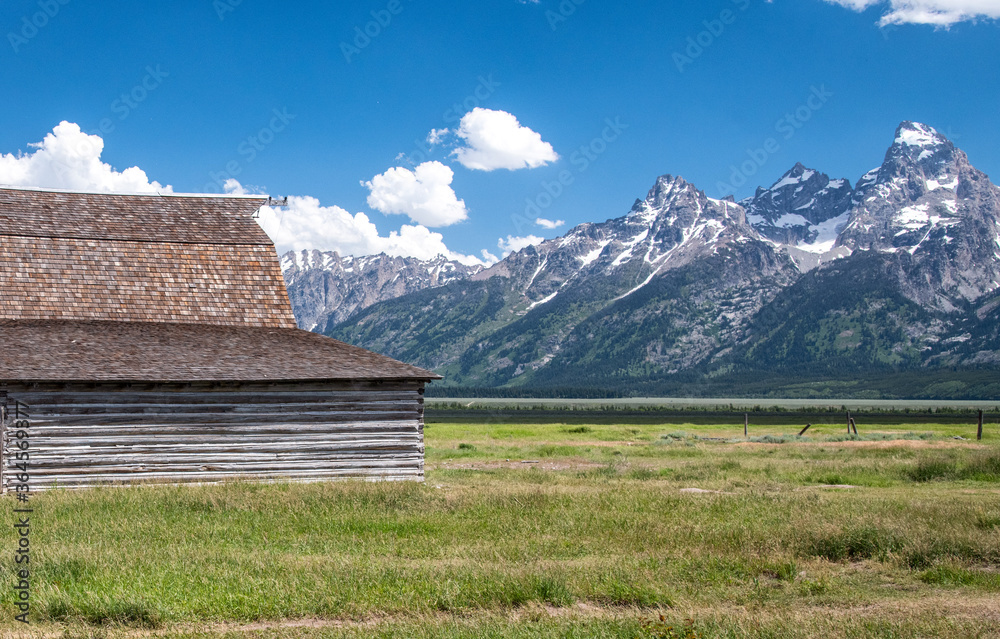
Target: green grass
588, 542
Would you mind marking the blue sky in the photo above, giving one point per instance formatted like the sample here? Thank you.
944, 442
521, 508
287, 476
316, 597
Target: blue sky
295, 99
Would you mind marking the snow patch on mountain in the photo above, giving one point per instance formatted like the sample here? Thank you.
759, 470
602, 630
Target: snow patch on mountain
789, 179
586, 260
917, 135
933, 185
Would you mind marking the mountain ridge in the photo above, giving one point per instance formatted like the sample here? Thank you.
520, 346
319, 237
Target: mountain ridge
326, 288
895, 275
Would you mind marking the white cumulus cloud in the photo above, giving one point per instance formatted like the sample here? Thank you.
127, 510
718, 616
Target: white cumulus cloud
942, 13
306, 224
69, 159
513, 243
496, 140
549, 224
436, 136
424, 194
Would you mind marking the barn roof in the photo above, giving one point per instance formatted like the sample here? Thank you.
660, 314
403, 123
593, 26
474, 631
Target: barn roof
103, 351
138, 258
164, 288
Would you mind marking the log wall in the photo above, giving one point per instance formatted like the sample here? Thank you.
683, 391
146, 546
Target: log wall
97, 434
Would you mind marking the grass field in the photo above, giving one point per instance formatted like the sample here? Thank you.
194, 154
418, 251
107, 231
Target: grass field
581, 525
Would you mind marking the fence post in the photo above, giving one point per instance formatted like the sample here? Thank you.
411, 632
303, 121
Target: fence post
979, 431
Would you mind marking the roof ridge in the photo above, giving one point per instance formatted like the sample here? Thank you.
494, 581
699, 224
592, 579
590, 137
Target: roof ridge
42, 189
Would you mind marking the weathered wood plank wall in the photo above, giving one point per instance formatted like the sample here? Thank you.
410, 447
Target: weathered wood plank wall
94, 434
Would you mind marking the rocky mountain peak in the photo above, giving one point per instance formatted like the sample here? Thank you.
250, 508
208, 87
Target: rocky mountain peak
923, 182
919, 153
667, 191
927, 204
675, 224
675, 202
803, 209
919, 137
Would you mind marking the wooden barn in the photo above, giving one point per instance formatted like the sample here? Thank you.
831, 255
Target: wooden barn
150, 338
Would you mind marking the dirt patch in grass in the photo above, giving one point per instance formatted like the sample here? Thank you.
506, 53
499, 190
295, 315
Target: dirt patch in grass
558, 465
979, 609
918, 444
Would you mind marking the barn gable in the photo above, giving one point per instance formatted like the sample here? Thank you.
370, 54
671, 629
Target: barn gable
138, 258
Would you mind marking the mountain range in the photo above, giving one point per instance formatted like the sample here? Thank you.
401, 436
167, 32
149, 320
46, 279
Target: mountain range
811, 287
325, 288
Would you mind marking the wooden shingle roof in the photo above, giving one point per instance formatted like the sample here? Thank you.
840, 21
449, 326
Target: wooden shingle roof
138, 258
101, 351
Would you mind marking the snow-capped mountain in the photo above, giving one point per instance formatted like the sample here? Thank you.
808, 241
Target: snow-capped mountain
938, 214
804, 212
669, 285
804, 209
808, 277
918, 288
674, 225
325, 288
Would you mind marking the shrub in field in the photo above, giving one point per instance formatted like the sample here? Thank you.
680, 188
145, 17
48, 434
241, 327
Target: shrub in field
551, 591
607, 471
983, 467
660, 629
580, 429
464, 446
986, 521
787, 571
842, 438
104, 612
878, 437
854, 544
127, 613
813, 587
931, 468
643, 474
510, 590
622, 589
928, 552
775, 439
954, 575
